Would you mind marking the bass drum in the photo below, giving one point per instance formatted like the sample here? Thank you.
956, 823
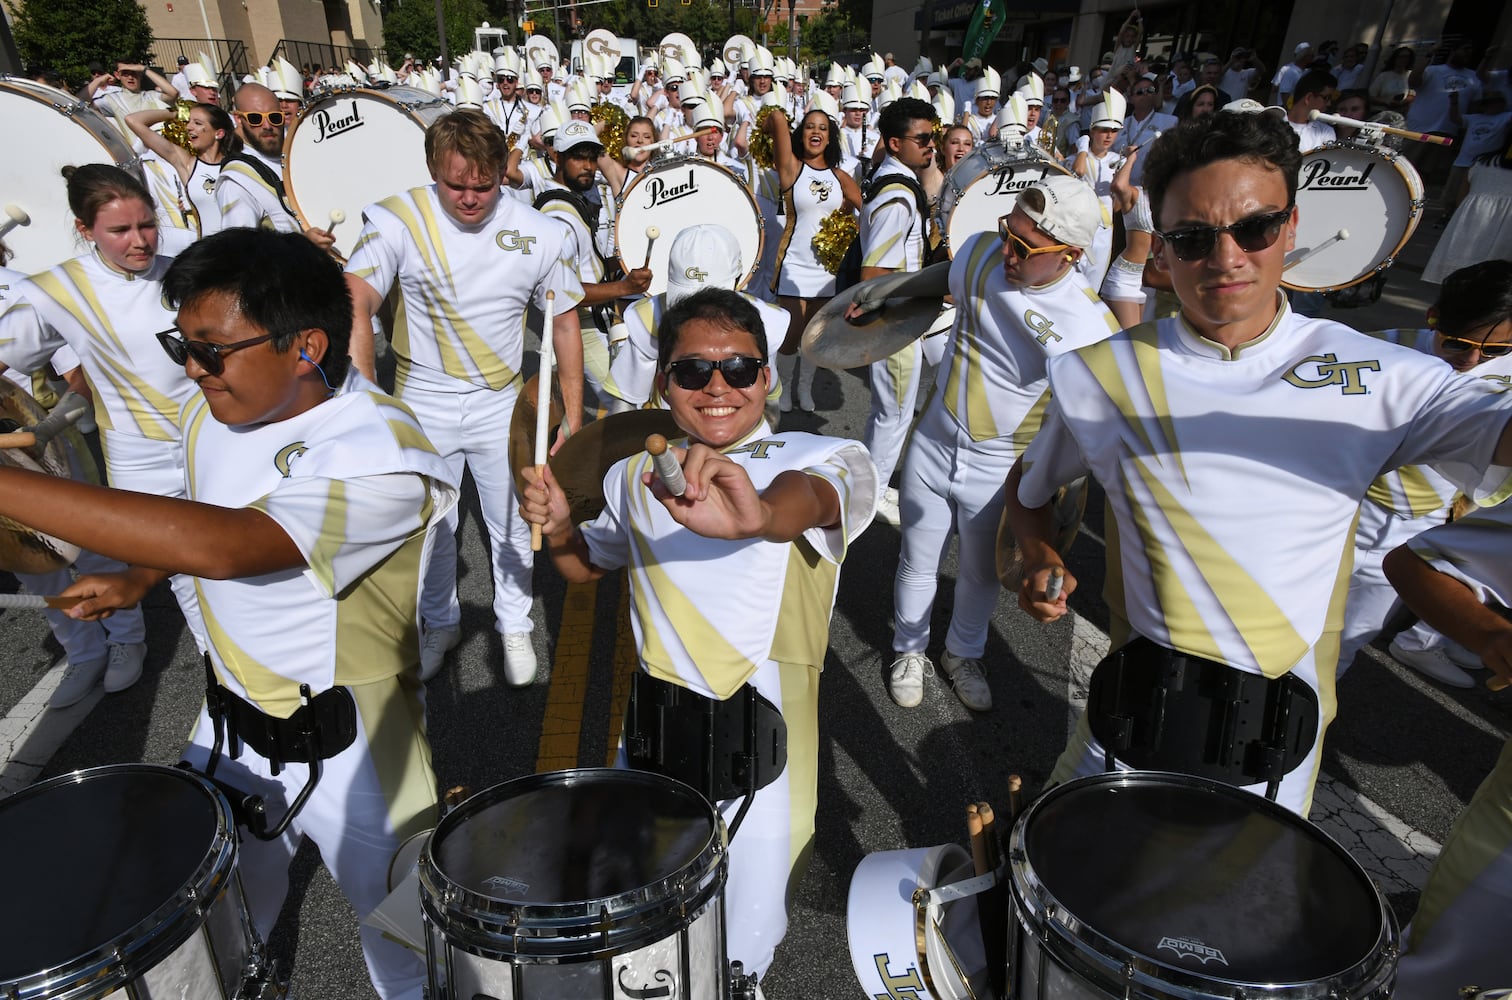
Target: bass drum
1357, 206
676, 193
139, 862
58, 131
1172, 887
23, 549
985, 186
584, 883
351, 148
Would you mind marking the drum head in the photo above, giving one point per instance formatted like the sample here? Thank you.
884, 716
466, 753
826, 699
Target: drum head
1189, 875
115, 849
58, 131
350, 149
1356, 207
678, 193
985, 186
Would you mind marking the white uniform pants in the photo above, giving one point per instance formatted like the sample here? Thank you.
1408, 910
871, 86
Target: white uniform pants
469, 426
951, 484
84, 642
894, 387
1372, 599
358, 816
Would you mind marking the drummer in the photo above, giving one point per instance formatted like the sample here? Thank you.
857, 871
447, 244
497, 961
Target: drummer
774, 512
250, 189
1199, 428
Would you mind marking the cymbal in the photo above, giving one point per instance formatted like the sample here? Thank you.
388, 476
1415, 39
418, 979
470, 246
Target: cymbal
522, 428
832, 341
1070, 505
581, 464
22, 549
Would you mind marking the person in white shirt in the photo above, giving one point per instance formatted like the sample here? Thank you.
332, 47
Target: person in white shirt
1350, 73
120, 93
1144, 123
212, 137
1434, 83
1313, 91
1240, 73
984, 101
1287, 76
250, 190
1202, 427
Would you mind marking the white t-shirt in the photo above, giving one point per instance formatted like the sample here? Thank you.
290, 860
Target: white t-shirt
892, 227
1236, 82
1286, 78
1483, 134
1311, 135
1429, 111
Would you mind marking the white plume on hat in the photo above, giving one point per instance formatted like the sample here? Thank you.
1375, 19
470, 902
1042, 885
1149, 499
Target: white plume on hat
850, 98
923, 67
469, 93
355, 71
944, 105
579, 96
836, 77
890, 93
990, 84
873, 67
1110, 113
936, 79
197, 76
1032, 86
761, 62
1012, 118
550, 119
288, 82
782, 69
427, 80
820, 100
704, 114
717, 67
917, 90
209, 62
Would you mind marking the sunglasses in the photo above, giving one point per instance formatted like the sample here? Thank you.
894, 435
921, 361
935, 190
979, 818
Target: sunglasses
923, 138
256, 118
694, 373
210, 357
1020, 248
1258, 232
1459, 345
1144, 90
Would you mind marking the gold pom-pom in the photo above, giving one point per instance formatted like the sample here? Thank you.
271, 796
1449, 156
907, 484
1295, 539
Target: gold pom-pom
174, 130
761, 141
617, 123
834, 238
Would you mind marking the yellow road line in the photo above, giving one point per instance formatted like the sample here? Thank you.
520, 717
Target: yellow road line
562, 721
626, 663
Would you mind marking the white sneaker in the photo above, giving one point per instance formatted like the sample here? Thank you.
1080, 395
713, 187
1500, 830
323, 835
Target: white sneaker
433, 648
906, 682
1462, 657
123, 665
969, 680
806, 387
519, 659
1432, 663
887, 507
78, 680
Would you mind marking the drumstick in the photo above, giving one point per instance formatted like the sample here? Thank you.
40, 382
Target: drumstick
14, 216
666, 465
1338, 237
1437, 140
337, 218
676, 139
978, 844
652, 234
70, 409
989, 835
1054, 584
1015, 797
36, 602
1496, 682
543, 405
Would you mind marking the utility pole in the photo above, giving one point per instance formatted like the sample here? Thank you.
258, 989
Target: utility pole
441, 35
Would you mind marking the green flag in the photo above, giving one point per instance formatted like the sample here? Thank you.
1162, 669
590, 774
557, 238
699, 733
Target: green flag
986, 21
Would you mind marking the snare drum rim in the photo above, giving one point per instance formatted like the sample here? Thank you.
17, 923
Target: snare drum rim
1119, 970
94, 121
1001, 159
160, 933
1415, 205
682, 160
534, 932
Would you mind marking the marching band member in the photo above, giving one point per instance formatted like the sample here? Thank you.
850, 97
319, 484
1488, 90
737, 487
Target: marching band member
507, 106
775, 511
1020, 302
288, 87
250, 190
984, 100
469, 263
1032, 88
858, 143
212, 137
1200, 427
1096, 163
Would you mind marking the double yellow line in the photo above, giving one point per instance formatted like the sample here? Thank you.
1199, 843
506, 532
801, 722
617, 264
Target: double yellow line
571, 675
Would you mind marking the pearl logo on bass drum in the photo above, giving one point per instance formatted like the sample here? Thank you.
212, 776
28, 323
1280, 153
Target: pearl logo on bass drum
1321, 173
330, 122
661, 192
1012, 180
1186, 947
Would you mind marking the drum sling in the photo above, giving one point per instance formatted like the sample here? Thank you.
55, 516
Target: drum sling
1159, 710
319, 729
725, 749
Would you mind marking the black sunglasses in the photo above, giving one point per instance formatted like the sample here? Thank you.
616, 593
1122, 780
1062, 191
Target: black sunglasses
256, 118
1258, 232
694, 373
210, 357
1459, 345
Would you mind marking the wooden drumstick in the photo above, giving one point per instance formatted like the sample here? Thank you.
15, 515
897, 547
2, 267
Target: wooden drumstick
667, 469
69, 410
1437, 140
1338, 237
1496, 682
543, 404
978, 844
1055, 583
14, 216
653, 233
36, 602
1015, 797
989, 835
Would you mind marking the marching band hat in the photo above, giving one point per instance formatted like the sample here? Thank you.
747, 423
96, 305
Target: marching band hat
851, 99
673, 71
1032, 86
1013, 117
717, 67
820, 100
579, 97
944, 105
469, 94
1071, 213
1111, 112
761, 62
198, 76
506, 63
990, 84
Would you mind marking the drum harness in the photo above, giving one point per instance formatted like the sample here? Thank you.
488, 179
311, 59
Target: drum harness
319, 729
849, 272
603, 315
1157, 709
268, 177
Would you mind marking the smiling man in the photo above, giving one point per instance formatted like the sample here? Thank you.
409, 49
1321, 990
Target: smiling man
732, 586
1234, 442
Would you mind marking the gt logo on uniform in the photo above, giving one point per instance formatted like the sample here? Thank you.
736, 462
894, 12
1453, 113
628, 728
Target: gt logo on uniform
1042, 325
510, 239
758, 449
286, 456
1331, 371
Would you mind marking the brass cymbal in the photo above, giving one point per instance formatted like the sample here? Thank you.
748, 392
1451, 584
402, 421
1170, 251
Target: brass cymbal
580, 466
522, 428
1070, 506
23, 550
832, 341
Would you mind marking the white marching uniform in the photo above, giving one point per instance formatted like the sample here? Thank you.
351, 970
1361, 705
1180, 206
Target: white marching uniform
976, 424
167, 192
1095, 261
1454, 939
893, 235
200, 190
811, 199
246, 199
1302, 420
770, 631
110, 320
980, 126
590, 268
459, 350
856, 146
346, 619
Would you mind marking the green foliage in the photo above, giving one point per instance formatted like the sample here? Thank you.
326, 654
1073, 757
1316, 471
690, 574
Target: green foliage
410, 26
704, 21
68, 35
830, 35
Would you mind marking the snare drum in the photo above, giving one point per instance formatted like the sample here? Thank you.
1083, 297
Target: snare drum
351, 148
1172, 887
675, 193
985, 186
123, 884
58, 131
602, 883
1357, 205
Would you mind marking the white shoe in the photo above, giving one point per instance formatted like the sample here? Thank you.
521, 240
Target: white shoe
969, 680
123, 665
786, 367
887, 507
433, 648
806, 386
906, 682
519, 659
78, 680
1432, 663
1462, 657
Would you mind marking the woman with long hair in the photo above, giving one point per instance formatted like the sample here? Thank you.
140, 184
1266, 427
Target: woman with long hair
813, 186
212, 138
1200, 100
1391, 90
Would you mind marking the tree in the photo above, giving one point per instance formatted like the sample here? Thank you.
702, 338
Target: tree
410, 26
68, 35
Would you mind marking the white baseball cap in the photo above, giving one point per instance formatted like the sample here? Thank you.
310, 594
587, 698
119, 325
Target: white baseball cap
1071, 213
705, 256
573, 134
